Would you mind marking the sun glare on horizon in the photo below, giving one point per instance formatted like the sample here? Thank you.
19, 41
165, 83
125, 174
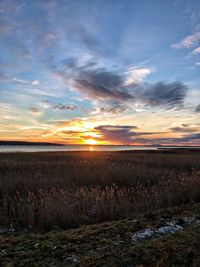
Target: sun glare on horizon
90, 142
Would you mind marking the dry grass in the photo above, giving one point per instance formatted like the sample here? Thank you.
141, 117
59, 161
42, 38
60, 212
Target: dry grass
44, 191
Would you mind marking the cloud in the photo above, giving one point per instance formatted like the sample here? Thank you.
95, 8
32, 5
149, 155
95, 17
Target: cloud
124, 134
166, 94
183, 129
136, 75
197, 109
35, 111
35, 82
94, 90
100, 83
188, 41
113, 107
196, 51
192, 139
109, 85
197, 63
94, 82
189, 138
59, 106
127, 134
79, 130
118, 134
195, 136
20, 80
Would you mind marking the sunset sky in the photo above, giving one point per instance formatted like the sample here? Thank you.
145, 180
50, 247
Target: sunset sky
100, 71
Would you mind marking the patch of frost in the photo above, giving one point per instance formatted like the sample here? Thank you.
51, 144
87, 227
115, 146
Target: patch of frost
142, 235
169, 228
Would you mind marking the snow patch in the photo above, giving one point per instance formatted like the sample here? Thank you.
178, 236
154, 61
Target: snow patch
170, 227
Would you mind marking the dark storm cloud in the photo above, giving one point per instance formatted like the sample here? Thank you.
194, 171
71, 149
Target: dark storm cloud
94, 82
102, 84
166, 94
129, 135
122, 134
197, 109
109, 85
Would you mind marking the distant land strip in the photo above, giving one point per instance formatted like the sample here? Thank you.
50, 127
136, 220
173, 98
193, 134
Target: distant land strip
26, 143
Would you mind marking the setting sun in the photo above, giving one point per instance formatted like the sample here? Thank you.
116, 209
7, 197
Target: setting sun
90, 142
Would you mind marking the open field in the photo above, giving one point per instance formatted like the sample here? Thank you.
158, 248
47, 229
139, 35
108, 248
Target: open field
133, 208
47, 191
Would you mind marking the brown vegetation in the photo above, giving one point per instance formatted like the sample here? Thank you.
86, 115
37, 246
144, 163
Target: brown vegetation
44, 191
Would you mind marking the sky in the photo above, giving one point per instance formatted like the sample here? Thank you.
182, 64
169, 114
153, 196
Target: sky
92, 72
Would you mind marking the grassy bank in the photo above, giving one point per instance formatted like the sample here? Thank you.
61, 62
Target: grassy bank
48, 191
108, 244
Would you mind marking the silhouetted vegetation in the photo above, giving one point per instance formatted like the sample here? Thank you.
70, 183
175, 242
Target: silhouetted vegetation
45, 191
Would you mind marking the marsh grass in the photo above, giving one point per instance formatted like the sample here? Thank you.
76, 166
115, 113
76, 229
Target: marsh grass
45, 191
